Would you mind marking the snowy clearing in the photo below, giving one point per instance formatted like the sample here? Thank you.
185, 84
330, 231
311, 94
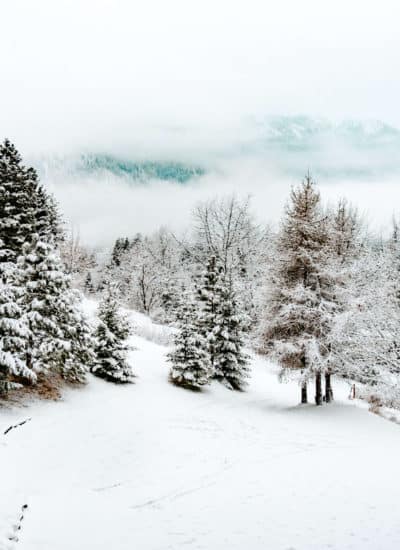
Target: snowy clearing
155, 467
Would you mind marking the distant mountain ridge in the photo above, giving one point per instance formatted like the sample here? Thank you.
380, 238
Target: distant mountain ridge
99, 164
302, 132
359, 149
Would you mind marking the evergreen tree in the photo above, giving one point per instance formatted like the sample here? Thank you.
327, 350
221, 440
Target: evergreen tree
116, 252
231, 362
88, 285
25, 207
301, 294
59, 336
121, 246
190, 362
209, 297
111, 335
48, 223
171, 300
77, 348
13, 332
18, 186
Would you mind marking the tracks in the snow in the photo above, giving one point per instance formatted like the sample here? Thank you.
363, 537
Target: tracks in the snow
12, 427
13, 536
172, 496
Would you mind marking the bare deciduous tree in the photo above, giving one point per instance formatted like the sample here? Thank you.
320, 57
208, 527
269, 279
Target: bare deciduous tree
225, 228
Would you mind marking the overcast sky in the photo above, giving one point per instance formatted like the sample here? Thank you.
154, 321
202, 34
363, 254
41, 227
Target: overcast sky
154, 77
79, 73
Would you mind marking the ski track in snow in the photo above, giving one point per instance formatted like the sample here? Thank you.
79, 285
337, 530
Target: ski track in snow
150, 466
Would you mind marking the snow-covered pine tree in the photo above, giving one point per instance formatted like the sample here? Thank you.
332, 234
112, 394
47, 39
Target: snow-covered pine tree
209, 291
231, 361
48, 223
121, 246
111, 340
25, 207
77, 349
170, 300
190, 360
17, 209
13, 332
88, 284
59, 336
299, 307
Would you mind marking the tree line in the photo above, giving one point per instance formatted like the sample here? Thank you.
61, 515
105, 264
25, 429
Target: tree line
319, 295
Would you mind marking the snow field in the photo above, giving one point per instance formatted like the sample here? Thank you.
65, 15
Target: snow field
150, 466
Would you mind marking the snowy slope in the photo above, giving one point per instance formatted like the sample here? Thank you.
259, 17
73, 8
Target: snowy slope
154, 467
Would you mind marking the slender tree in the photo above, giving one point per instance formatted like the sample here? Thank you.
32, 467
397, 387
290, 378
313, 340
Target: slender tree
209, 290
300, 301
111, 335
231, 361
88, 285
190, 361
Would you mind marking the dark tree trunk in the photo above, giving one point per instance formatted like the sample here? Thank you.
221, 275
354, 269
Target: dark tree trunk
328, 388
304, 384
318, 389
304, 393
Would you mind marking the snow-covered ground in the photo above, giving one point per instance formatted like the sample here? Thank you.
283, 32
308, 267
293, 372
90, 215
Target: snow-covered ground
153, 467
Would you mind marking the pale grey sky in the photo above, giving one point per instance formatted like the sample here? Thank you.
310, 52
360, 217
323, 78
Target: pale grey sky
79, 73
174, 77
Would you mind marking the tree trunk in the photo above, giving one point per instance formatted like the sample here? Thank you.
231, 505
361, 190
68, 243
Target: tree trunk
304, 393
328, 388
318, 389
304, 384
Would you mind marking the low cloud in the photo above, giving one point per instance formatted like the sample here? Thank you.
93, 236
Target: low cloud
103, 208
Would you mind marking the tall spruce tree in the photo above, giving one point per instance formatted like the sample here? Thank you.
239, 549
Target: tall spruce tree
26, 208
300, 301
59, 336
111, 340
209, 291
14, 332
190, 358
231, 361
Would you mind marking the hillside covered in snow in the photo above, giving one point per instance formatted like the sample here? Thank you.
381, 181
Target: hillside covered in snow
199, 275
153, 466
